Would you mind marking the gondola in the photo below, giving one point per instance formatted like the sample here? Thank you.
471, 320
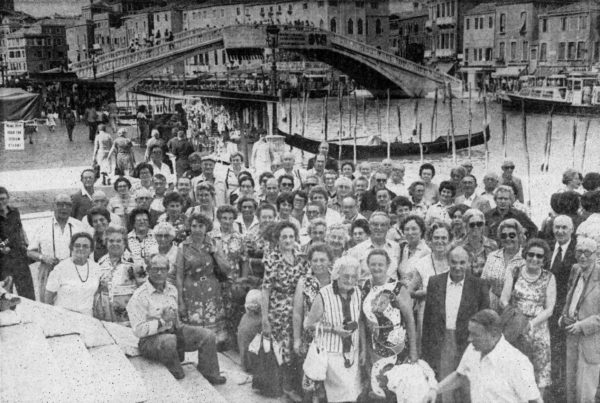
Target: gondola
440, 145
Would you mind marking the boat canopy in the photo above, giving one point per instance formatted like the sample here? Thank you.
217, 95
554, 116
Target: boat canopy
510, 71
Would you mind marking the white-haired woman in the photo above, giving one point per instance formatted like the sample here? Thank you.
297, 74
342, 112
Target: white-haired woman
165, 234
337, 238
337, 312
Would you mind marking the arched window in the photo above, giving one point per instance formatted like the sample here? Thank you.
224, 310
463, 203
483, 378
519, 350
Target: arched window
378, 26
350, 27
359, 26
333, 25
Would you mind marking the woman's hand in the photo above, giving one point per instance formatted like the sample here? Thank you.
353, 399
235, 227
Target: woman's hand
340, 331
297, 345
266, 327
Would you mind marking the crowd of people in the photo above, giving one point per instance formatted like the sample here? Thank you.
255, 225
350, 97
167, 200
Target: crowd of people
375, 272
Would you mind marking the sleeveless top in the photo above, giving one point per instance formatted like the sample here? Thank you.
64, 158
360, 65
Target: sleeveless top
333, 314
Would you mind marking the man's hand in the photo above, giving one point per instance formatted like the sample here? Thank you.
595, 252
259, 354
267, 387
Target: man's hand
49, 260
575, 328
431, 396
169, 314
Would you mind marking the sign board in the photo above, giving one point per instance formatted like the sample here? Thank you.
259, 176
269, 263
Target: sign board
301, 39
14, 136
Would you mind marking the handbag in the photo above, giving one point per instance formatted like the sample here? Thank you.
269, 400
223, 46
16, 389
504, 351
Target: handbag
315, 364
267, 375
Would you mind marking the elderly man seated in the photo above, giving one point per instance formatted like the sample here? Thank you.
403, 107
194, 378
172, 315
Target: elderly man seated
154, 319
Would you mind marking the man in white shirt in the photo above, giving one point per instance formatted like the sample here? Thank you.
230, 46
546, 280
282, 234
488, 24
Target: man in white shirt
395, 182
288, 161
50, 243
380, 224
319, 194
497, 372
262, 156
208, 175
159, 167
490, 183
469, 198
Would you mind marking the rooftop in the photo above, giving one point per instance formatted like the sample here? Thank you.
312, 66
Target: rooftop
581, 7
484, 8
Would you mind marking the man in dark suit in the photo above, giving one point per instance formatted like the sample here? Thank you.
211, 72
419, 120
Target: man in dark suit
82, 200
330, 163
368, 203
563, 259
452, 298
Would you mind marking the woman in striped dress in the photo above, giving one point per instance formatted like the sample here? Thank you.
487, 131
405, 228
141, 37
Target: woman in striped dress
337, 310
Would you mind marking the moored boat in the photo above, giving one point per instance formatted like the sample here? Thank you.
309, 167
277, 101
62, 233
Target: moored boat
575, 93
441, 145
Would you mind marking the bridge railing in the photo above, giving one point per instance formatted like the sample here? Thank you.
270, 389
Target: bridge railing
108, 62
390, 58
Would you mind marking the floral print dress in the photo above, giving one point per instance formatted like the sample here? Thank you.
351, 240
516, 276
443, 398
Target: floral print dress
281, 279
110, 301
181, 231
201, 291
530, 299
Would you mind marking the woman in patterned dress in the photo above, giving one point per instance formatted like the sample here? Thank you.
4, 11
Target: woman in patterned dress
231, 244
320, 258
283, 268
512, 237
119, 280
531, 289
387, 309
475, 243
198, 264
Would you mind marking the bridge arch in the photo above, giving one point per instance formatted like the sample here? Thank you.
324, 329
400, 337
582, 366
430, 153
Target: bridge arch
373, 68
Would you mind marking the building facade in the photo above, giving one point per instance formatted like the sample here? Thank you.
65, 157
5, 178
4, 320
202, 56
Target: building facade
80, 39
408, 35
569, 38
478, 45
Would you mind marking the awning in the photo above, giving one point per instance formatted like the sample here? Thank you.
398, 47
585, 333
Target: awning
545, 71
17, 104
510, 71
445, 68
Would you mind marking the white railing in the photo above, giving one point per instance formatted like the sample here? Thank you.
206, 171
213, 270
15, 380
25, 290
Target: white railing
445, 21
392, 59
109, 62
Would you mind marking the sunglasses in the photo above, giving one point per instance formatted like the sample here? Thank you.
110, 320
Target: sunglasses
380, 180
287, 185
536, 255
510, 235
509, 168
587, 253
477, 224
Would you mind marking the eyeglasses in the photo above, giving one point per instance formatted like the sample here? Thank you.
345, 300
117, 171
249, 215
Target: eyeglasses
509, 235
81, 246
478, 224
380, 180
287, 185
157, 269
535, 255
509, 167
587, 253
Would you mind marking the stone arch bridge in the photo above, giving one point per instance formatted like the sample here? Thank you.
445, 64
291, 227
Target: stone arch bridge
370, 67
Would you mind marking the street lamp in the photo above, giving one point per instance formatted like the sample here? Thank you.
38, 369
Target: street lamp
272, 41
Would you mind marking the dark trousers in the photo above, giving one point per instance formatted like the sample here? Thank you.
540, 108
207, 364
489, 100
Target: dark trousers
19, 270
169, 348
558, 350
70, 131
92, 127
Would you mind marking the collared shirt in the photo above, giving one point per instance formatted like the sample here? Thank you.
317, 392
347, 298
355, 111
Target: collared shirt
157, 204
453, 295
243, 229
468, 201
420, 209
142, 249
398, 188
50, 239
361, 251
165, 170
578, 291
147, 305
489, 197
504, 375
438, 211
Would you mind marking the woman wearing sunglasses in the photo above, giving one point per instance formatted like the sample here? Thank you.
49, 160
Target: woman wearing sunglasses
531, 289
475, 243
512, 236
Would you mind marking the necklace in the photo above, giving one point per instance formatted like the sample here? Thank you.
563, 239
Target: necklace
79, 275
530, 278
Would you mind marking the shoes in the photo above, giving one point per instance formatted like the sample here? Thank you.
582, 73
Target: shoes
178, 374
216, 380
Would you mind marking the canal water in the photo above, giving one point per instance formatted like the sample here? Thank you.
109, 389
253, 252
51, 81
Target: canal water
540, 186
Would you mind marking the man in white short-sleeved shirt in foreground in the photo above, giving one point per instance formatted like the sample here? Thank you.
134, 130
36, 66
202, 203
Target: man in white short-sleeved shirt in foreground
496, 370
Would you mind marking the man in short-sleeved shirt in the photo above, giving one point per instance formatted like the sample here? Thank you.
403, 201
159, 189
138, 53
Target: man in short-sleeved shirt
497, 371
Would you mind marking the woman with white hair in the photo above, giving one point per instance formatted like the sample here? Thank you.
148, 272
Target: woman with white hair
475, 242
337, 237
165, 234
336, 311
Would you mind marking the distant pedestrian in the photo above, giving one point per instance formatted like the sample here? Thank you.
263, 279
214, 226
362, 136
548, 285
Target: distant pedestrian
70, 120
142, 122
91, 117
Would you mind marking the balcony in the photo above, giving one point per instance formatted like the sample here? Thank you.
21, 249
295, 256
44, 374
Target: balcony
428, 24
445, 21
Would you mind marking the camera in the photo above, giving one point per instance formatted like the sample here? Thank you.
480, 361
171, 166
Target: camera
567, 321
350, 325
